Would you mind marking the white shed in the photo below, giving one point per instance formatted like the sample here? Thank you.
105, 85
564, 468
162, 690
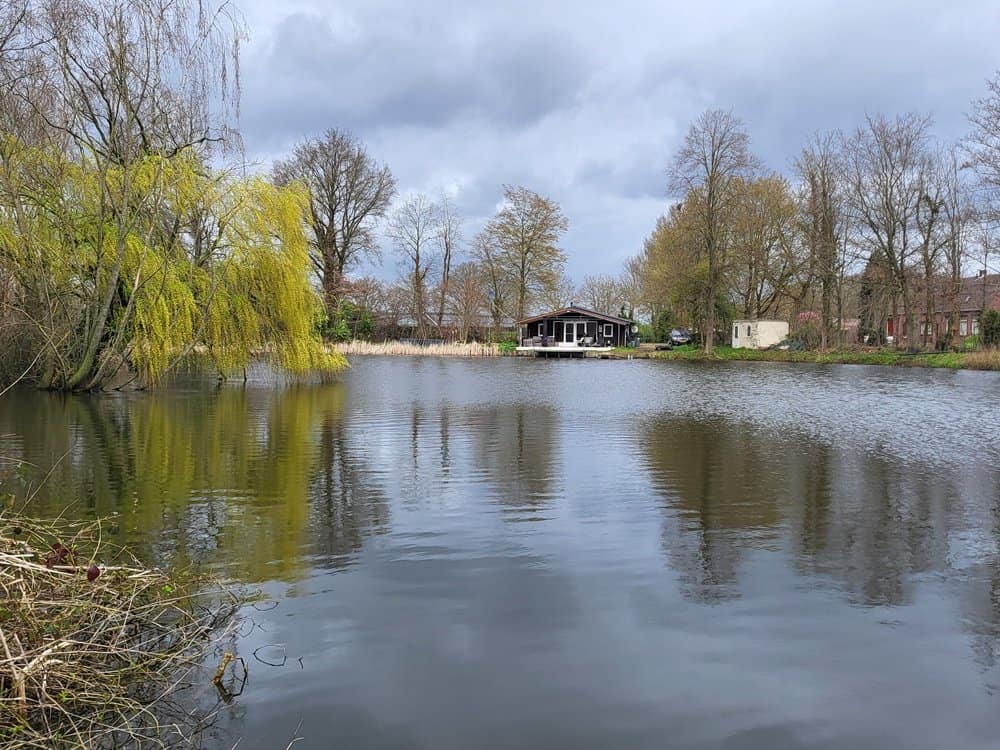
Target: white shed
758, 334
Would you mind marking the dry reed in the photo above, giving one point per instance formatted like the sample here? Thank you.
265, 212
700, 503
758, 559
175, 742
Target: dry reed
95, 649
984, 359
401, 349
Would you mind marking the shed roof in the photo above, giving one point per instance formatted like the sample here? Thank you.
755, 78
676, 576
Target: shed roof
578, 311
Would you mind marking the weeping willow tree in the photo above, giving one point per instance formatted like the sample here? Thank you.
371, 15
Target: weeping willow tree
124, 251
212, 264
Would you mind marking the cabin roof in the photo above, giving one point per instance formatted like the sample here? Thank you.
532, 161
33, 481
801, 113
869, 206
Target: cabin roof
578, 311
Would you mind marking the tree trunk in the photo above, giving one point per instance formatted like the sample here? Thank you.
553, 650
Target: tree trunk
96, 332
445, 279
911, 318
709, 324
333, 280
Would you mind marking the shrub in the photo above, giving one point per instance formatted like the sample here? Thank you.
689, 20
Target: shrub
348, 322
661, 326
989, 328
808, 328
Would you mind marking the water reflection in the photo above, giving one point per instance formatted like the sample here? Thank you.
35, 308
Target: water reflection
244, 477
869, 524
725, 557
517, 448
719, 485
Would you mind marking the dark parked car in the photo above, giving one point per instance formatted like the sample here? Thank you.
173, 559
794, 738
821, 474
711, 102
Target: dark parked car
680, 336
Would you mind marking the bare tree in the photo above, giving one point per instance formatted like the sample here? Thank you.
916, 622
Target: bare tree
557, 294
496, 277
467, 299
884, 162
711, 163
526, 232
982, 148
631, 285
602, 294
349, 191
449, 236
959, 214
820, 167
414, 228
931, 220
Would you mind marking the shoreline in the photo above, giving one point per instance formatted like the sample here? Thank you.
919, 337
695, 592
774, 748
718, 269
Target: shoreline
986, 360
982, 360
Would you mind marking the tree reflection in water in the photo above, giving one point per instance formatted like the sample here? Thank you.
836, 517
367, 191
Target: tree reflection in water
248, 478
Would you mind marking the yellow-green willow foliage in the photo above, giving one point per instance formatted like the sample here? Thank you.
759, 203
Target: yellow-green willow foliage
128, 269
253, 478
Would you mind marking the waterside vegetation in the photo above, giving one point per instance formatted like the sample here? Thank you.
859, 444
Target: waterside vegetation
404, 349
987, 359
96, 649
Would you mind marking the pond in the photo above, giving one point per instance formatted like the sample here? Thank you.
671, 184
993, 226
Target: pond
587, 554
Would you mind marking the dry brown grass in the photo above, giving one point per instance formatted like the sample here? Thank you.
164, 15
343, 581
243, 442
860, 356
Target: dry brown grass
400, 349
985, 359
91, 662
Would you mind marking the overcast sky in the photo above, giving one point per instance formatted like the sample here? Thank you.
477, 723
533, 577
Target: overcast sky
584, 101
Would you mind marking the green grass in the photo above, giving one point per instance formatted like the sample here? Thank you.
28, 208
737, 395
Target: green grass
883, 357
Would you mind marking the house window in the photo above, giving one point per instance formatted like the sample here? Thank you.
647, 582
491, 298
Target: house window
748, 331
609, 330
975, 326
963, 326
736, 332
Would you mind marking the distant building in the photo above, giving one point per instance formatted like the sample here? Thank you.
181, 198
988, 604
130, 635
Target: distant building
758, 334
975, 295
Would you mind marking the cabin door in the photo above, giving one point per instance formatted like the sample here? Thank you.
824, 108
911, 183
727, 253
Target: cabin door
574, 332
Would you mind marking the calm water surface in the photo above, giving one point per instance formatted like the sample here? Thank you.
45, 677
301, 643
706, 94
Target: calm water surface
521, 553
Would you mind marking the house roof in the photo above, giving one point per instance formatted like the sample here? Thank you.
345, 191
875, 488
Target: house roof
574, 309
972, 291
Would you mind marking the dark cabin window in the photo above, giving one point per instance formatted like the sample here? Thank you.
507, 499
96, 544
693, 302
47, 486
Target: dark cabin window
609, 330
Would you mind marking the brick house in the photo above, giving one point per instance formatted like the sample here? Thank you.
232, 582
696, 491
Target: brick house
975, 294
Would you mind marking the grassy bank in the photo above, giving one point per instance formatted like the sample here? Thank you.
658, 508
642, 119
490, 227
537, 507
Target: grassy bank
979, 360
401, 349
97, 650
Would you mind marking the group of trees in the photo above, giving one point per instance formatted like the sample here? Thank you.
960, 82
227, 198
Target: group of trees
447, 286
125, 246
123, 249
876, 222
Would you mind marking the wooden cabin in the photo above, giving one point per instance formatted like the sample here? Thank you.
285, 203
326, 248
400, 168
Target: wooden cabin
574, 329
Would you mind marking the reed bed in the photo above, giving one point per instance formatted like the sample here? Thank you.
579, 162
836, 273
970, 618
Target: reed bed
985, 359
401, 349
96, 650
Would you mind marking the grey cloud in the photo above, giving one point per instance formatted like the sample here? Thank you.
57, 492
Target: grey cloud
309, 79
586, 102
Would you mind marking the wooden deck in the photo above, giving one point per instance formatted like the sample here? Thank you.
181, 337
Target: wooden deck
564, 351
